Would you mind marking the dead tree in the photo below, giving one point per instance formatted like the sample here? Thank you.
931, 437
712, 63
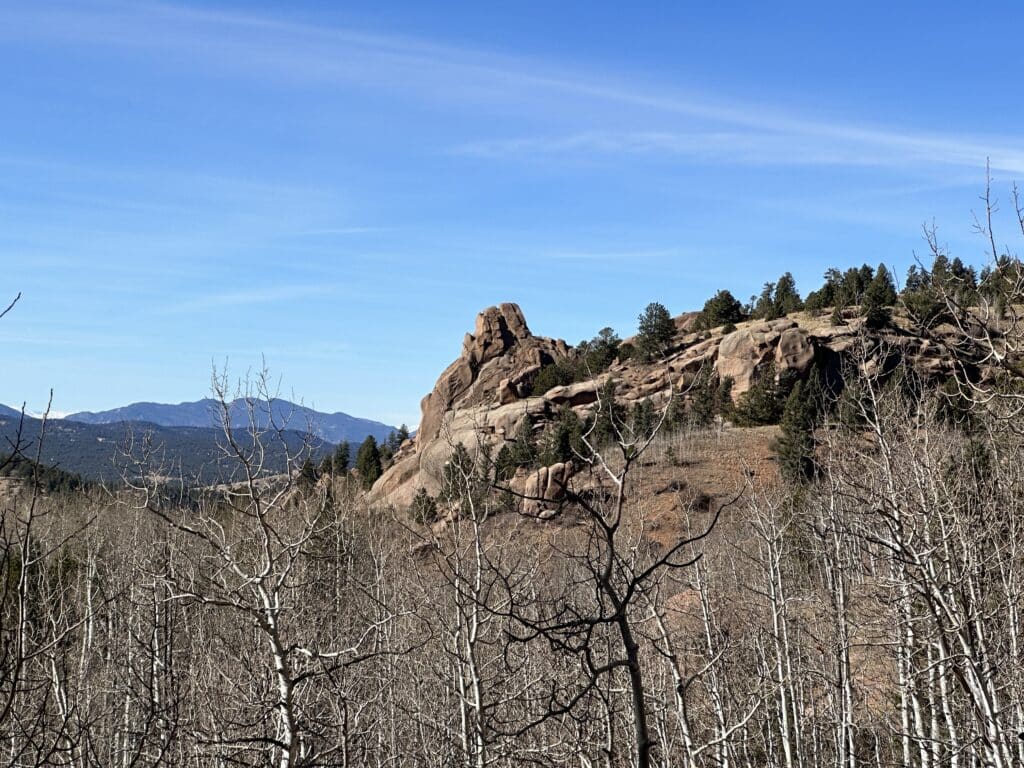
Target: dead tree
592, 608
246, 556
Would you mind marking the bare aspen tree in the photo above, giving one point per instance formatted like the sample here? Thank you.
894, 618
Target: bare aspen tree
38, 616
902, 485
599, 617
982, 330
243, 555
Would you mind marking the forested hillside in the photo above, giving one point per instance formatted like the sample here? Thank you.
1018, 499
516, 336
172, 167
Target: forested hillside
759, 537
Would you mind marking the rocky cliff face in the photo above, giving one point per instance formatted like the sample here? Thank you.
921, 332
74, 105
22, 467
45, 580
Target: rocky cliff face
500, 356
482, 397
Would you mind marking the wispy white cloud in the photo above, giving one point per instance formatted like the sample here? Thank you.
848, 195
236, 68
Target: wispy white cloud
69, 339
252, 45
272, 294
805, 147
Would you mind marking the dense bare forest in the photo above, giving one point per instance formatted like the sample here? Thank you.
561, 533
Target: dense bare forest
866, 614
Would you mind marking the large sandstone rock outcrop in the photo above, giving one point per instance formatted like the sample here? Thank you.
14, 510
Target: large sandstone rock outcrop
479, 398
497, 363
742, 353
794, 352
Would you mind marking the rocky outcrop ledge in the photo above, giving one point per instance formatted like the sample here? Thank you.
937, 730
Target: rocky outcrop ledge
484, 395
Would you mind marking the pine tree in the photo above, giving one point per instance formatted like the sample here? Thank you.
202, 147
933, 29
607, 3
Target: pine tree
599, 352
879, 296
643, 422
703, 395
392, 443
655, 331
827, 295
917, 279
523, 450
787, 298
760, 404
368, 461
504, 464
765, 307
307, 473
675, 413
609, 419
423, 508
720, 309
342, 457
557, 447
799, 418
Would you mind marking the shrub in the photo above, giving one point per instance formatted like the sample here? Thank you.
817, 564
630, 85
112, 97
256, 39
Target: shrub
423, 508
924, 307
552, 375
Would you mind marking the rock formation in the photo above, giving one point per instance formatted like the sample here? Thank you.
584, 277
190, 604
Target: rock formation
483, 396
480, 398
542, 489
497, 363
743, 353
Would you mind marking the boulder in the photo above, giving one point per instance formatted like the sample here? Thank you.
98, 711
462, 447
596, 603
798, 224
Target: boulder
472, 427
573, 395
542, 488
497, 330
507, 392
742, 352
794, 352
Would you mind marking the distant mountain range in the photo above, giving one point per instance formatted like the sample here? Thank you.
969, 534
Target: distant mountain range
97, 451
186, 437
8, 413
332, 427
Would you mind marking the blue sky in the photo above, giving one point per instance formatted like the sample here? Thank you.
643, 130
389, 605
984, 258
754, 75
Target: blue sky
340, 188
